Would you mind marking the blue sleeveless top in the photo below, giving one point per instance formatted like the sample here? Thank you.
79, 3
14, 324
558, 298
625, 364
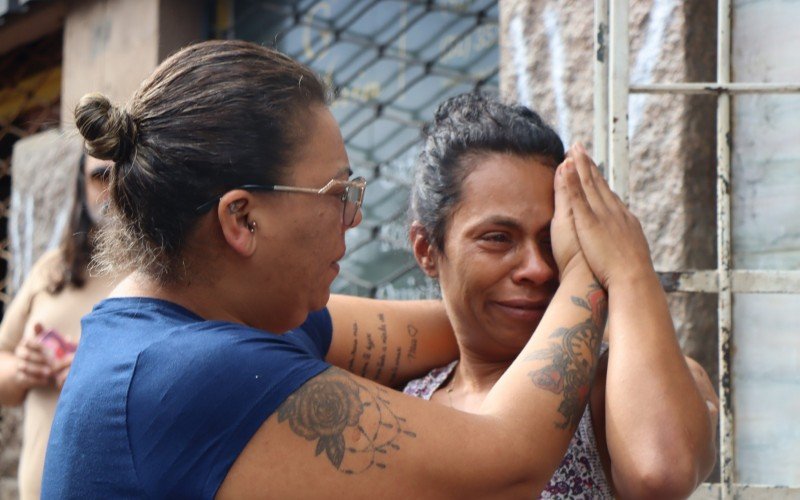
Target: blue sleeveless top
159, 402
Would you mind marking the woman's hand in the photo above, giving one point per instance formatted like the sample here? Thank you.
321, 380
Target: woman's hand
610, 236
33, 368
566, 247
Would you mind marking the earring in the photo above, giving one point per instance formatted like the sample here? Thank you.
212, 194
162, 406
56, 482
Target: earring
252, 226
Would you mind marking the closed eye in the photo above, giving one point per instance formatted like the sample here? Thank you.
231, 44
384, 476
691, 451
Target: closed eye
496, 237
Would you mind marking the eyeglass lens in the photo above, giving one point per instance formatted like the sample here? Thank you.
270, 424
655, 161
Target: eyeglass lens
352, 201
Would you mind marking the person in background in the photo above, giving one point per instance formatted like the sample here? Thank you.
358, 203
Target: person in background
215, 369
42, 324
482, 205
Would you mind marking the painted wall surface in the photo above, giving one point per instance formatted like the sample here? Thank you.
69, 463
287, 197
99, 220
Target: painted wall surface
104, 51
547, 57
44, 167
766, 235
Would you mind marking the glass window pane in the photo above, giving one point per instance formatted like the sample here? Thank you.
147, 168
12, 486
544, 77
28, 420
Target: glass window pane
766, 381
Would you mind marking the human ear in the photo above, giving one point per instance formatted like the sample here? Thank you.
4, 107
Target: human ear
424, 251
235, 220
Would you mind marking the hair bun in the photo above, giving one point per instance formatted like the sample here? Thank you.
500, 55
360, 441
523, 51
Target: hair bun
110, 132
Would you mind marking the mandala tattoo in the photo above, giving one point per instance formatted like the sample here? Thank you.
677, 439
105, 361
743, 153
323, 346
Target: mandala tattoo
351, 423
573, 360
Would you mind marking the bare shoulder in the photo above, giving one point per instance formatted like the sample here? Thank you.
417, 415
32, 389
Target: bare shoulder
340, 435
334, 427
46, 268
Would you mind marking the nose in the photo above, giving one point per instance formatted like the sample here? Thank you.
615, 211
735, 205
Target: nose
357, 220
533, 266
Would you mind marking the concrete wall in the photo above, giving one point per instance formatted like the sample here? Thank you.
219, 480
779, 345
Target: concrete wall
110, 46
547, 62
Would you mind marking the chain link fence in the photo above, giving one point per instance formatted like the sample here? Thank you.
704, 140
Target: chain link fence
389, 64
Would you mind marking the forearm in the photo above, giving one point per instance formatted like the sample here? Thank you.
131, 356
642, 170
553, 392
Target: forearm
390, 341
518, 437
11, 392
657, 426
544, 392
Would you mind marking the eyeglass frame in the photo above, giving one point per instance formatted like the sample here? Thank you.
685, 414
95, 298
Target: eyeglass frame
358, 183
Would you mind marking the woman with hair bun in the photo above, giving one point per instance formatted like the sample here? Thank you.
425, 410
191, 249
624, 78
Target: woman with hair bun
221, 367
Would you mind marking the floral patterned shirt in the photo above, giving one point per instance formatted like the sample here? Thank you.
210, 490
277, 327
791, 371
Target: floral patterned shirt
580, 475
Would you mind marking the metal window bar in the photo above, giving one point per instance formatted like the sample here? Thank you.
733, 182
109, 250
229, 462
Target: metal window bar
611, 149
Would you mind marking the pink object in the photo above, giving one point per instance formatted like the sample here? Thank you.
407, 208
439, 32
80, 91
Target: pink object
55, 346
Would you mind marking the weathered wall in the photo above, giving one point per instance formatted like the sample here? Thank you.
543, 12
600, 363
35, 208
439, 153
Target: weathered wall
547, 62
110, 46
43, 169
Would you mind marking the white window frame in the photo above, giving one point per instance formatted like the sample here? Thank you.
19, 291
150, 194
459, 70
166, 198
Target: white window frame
611, 150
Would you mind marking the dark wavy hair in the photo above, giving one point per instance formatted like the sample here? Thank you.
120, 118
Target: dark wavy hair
464, 129
215, 115
76, 244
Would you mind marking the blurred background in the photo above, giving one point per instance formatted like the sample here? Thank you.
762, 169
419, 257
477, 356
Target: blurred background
727, 242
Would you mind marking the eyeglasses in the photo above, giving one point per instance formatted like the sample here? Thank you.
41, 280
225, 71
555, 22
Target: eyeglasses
350, 192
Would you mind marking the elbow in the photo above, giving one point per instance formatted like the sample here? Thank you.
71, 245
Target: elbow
668, 478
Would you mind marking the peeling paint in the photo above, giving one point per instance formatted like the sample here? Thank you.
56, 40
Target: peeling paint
602, 47
519, 51
30, 225
14, 241
58, 229
558, 57
648, 56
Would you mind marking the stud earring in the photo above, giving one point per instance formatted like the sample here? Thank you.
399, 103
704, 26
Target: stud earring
252, 226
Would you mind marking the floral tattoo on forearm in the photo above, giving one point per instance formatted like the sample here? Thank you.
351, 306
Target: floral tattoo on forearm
573, 360
351, 423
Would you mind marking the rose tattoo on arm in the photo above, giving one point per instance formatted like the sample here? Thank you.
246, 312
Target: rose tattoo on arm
573, 360
351, 423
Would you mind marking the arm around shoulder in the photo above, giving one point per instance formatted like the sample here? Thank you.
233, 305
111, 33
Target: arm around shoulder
389, 341
340, 434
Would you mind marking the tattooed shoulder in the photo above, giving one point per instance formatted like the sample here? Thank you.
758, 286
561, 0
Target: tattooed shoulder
351, 423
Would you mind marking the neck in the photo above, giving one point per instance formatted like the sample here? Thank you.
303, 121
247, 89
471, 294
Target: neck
475, 373
194, 298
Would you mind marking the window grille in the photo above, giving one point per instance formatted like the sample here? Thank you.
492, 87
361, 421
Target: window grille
612, 89
390, 63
